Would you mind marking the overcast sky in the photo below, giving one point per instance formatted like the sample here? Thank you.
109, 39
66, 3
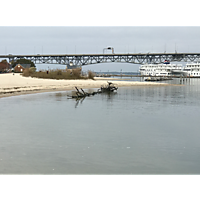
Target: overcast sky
66, 39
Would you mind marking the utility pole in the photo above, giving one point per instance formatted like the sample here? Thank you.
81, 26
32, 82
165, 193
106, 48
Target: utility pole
109, 48
175, 48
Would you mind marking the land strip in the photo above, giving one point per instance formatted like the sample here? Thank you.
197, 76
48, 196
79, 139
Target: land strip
11, 85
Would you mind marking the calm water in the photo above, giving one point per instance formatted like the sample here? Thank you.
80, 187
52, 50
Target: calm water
138, 130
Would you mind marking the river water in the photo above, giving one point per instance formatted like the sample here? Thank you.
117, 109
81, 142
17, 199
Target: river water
137, 130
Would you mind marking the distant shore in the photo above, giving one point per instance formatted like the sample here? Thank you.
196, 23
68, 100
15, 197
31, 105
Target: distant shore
12, 85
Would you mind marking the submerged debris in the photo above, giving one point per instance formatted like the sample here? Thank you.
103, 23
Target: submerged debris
82, 94
109, 88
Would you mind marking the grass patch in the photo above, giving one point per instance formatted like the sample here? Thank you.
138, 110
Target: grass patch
58, 74
91, 75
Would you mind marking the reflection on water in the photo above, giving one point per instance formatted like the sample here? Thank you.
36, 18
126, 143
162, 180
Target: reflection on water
79, 101
137, 130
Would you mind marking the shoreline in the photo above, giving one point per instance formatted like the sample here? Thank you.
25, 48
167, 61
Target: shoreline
14, 85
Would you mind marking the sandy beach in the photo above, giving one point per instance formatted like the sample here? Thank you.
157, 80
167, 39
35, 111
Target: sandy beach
11, 85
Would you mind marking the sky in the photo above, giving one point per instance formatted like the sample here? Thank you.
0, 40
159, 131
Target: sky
93, 39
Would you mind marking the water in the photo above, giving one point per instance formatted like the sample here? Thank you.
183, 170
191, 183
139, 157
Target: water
138, 130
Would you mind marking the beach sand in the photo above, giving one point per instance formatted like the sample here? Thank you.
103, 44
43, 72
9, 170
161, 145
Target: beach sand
11, 85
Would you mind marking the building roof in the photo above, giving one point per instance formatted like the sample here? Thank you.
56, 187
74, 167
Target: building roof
24, 65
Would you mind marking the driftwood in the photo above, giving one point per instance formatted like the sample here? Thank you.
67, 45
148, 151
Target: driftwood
108, 88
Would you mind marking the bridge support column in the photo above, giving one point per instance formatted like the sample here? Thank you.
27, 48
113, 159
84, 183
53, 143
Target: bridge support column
70, 66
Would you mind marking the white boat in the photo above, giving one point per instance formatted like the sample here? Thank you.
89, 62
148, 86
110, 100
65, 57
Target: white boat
192, 69
165, 69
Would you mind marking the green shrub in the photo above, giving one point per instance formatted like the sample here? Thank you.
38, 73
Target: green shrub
26, 72
76, 73
32, 69
91, 75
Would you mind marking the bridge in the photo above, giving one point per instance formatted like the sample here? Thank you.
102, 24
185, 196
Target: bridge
78, 60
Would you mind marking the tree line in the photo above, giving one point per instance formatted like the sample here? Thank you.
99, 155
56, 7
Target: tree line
22, 61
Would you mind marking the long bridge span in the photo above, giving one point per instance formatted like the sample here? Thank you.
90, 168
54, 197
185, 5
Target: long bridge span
78, 60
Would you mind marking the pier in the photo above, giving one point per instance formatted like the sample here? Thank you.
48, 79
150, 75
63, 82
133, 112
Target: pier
143, 76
